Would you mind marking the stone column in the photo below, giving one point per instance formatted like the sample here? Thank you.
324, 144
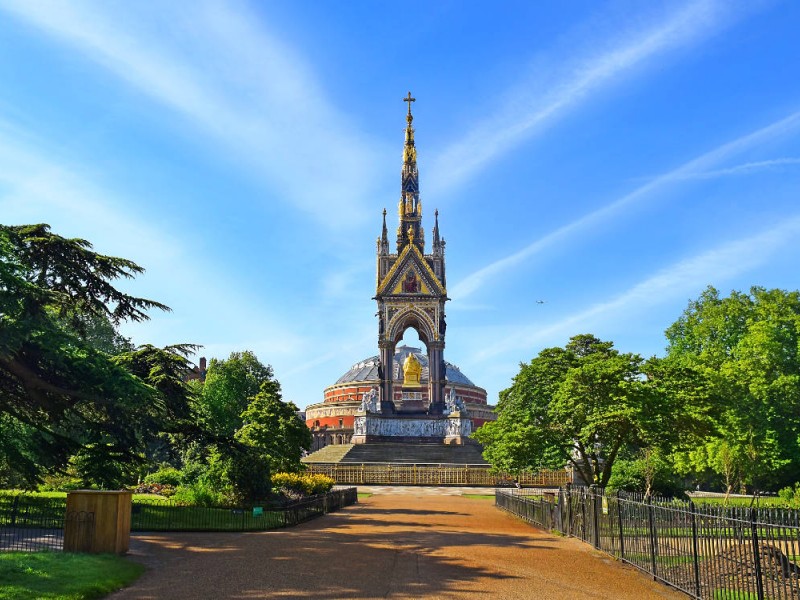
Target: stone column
436, 376
387, 364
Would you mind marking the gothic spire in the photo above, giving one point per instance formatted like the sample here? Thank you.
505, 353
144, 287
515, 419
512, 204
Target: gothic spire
384, 236
410, 207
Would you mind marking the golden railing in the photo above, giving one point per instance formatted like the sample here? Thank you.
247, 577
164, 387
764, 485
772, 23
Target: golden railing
428, 474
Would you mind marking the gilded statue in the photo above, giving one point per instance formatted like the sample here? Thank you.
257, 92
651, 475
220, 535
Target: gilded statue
412, 370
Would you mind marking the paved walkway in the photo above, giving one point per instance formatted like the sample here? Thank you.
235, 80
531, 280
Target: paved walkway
414, 544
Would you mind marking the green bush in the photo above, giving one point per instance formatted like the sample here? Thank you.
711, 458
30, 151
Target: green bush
630, 474
198, 493
303, 483
61, 482
791, 496
165, 476
154, 489
239, 473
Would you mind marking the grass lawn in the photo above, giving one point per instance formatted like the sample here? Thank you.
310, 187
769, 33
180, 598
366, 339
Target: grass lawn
64, 576
170, 517
364, 494
722, 594
761, 502
479, 496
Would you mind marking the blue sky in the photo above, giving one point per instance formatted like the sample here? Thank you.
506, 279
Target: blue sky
611, 159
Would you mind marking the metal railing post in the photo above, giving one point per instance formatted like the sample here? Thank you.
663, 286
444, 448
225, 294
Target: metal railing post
621, 534
695, 552
14, 507
595, 516
652, 527
583, 514
568, 491
756, 554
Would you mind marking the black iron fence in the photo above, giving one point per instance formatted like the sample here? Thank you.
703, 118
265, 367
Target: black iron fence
708, 552
29, 522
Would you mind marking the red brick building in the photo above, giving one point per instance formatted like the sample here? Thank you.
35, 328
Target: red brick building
331, 421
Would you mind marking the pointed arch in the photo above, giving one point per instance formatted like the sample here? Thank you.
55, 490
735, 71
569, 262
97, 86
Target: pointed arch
415, 318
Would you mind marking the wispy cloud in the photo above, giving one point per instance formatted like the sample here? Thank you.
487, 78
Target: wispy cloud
746, 168
696, 168
677, 281
36, 187
232, 80
529, 109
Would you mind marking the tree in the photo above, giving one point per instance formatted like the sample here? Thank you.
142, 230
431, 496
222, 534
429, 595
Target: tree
272, 427
582, 405
61, 390
747, 345
228, 388
646, 470
249, 431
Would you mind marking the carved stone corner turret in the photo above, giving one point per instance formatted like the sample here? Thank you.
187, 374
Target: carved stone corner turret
458, 429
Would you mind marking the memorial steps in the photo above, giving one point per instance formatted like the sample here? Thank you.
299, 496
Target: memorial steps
400, 453
328, 454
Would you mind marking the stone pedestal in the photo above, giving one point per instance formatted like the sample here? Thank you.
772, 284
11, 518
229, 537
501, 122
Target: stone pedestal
439, 429
457, 429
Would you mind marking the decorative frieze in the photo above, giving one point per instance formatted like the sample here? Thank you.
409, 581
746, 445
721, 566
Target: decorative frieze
444, 428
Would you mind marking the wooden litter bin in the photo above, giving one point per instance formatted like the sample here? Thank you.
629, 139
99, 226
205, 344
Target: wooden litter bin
107, 531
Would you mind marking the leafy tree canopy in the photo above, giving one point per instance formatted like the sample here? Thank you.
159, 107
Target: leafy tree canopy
274, 428
748, 347
249, 430
68, 383
229, 386
582, 404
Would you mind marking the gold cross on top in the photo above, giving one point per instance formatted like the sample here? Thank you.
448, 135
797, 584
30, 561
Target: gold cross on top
409, 99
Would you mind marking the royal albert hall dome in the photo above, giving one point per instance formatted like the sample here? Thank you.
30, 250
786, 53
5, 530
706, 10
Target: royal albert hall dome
331, 421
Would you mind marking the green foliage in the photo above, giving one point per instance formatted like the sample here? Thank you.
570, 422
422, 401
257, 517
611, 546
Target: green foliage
198, 493
155, 489
59, 575
648, 471
248, 431
273, 428
748, 347
228, 388
63, 481
240, 473
303, 483
165, 476
69, 386
791, 495
583, 404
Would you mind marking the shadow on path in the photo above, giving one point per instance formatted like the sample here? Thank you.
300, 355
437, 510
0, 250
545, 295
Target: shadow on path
443, 547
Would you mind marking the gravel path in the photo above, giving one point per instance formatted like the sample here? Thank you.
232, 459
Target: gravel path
415, 544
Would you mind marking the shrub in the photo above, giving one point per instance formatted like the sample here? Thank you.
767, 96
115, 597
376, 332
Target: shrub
240, 473
165, 476
791, 496
318, 484
61, 482
155, 488
303, 483
198, 493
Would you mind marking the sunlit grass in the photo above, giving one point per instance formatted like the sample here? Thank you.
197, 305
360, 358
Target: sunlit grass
722, 594
761, 502
63, 576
